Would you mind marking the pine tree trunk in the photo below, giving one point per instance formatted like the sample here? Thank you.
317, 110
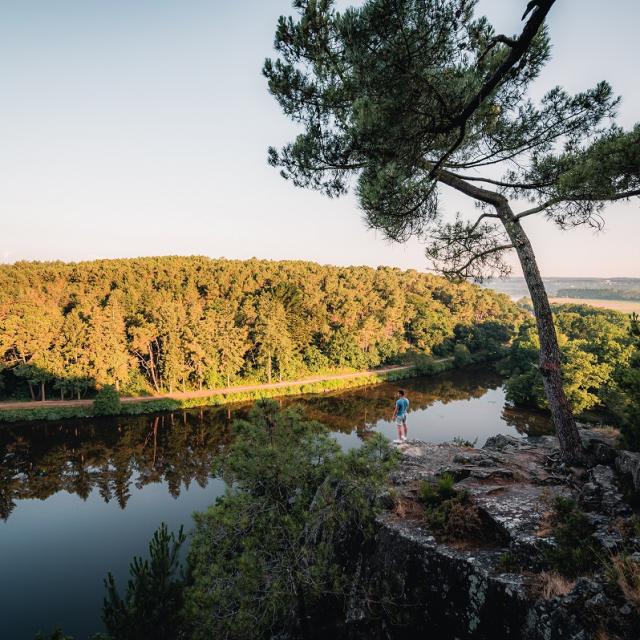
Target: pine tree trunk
550, 357
550, 360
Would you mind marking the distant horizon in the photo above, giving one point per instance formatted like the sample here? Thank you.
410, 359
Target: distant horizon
143, 128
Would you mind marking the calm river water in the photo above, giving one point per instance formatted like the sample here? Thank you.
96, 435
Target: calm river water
80, 498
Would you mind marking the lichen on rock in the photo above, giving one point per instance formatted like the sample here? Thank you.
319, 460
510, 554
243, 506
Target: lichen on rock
464, 588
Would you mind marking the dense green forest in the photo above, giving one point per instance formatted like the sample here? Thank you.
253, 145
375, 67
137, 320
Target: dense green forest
178, 323
601, 364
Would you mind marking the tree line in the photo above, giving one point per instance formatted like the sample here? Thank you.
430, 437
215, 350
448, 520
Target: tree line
600, 294
179, 323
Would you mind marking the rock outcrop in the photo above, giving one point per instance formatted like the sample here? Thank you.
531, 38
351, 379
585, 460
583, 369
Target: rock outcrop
413, 585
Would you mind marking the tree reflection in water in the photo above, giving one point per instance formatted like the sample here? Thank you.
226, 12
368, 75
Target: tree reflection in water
38, 460
108, 455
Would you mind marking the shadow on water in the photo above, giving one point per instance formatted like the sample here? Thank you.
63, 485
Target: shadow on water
131, 473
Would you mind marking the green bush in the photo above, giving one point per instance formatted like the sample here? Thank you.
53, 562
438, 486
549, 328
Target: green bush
428, 365
461, 356
570, 552
450, 514
281, 545
432, 494
107, 402
459, 441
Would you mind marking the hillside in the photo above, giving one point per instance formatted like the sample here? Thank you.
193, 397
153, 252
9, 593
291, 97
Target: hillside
176, 323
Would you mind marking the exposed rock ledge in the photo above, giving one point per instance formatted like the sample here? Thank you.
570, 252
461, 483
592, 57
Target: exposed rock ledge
461, 591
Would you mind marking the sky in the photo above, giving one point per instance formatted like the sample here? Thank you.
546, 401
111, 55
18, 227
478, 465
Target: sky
137, 128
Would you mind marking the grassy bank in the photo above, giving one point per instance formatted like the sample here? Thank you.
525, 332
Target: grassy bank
171, 404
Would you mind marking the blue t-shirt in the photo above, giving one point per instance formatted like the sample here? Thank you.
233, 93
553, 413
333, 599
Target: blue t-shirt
402, 405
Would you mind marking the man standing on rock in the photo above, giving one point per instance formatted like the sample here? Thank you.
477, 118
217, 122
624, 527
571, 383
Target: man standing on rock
400, 416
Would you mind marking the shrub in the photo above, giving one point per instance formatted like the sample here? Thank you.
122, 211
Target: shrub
509, 562
450, 514
107, 402
461, 356
458, 441
427, 365
570, 553
434, 494
282, 543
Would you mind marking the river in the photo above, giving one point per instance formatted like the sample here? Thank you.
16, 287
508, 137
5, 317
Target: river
80, 498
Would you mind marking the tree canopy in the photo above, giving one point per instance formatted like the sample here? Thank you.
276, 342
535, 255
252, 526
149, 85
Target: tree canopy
597, 350
162, 324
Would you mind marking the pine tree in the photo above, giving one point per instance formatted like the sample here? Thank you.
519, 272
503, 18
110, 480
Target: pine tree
409, 99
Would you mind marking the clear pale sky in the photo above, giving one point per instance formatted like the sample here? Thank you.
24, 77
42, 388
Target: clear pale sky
140, 127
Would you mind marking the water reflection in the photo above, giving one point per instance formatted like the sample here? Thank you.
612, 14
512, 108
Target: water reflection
115, 455
64, 486
109, 455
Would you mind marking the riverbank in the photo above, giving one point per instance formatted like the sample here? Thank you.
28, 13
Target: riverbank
61, 409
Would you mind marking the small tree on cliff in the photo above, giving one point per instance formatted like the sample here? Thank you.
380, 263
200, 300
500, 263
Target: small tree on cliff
408, 96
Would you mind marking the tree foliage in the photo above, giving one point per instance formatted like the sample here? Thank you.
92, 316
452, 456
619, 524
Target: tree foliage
278, 549
152, 602
404, 98
596, 350
628, 381
167, 324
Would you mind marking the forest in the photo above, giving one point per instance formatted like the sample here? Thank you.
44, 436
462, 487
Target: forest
600, 365
149, 325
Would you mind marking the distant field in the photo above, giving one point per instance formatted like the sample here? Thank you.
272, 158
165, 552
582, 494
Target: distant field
626, 306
